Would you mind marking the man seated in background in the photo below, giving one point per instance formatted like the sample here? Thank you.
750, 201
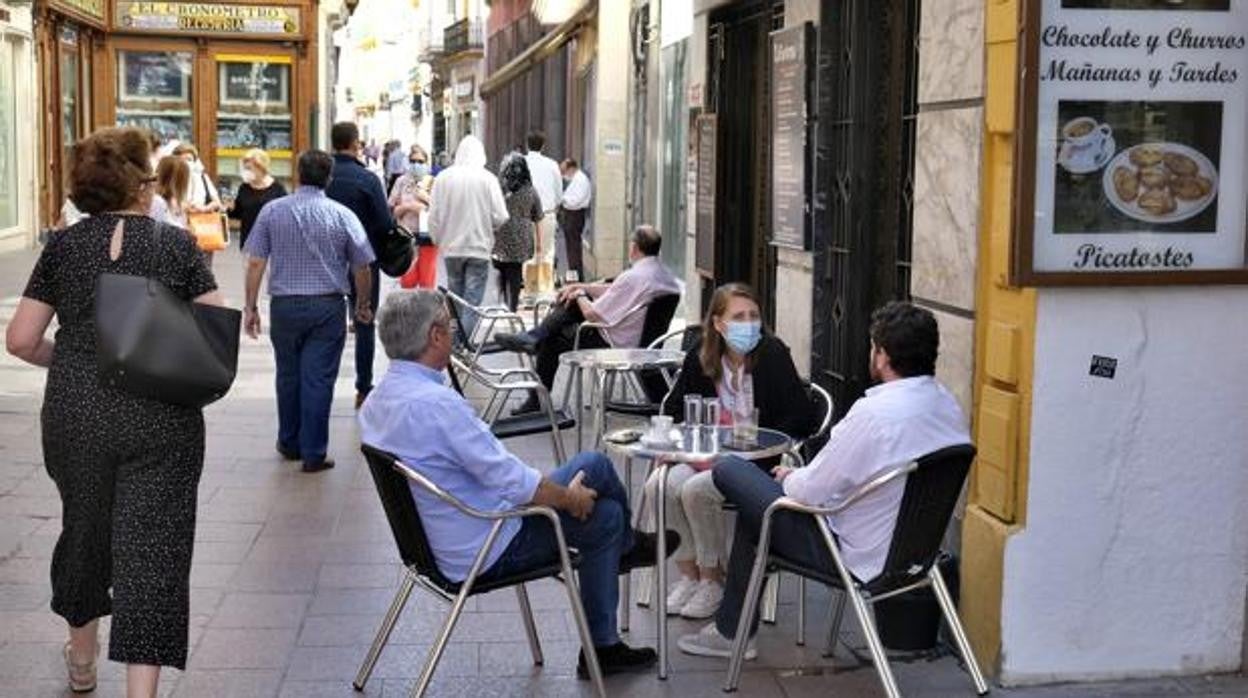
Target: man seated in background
608, 303
431, 428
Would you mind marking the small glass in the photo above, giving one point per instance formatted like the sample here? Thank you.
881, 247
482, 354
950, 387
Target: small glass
693, 410
745, 429
710, 428
660, 429
693, 420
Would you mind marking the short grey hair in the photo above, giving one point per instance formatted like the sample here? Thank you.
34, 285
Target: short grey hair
405, 320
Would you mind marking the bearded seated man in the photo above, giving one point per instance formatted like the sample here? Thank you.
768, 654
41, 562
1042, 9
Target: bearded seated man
606, 303
414, 415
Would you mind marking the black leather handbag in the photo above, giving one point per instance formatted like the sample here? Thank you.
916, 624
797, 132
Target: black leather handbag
153, 344
394, 251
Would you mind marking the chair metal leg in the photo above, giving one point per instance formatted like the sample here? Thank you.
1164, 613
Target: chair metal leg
801, 611
439, 646
742, 638
571, 585
835, 618
530, 628
383, 633
771, 599
579, 409
866, 620
955, 626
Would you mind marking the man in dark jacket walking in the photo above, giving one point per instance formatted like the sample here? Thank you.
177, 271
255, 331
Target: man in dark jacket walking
355, 187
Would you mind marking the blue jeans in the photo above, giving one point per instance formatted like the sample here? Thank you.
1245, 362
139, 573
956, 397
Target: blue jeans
793, 536
365, 335
601, 539
466, 277
308, 335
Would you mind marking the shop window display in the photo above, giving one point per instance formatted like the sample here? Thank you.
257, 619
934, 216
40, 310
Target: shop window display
154, 92
254, 111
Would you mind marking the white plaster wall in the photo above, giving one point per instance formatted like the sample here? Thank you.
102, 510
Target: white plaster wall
1133, 558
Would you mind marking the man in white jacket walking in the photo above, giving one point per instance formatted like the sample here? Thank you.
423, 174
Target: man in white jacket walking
465, 207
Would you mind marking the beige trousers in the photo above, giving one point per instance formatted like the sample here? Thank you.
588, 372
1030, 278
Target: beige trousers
694, 510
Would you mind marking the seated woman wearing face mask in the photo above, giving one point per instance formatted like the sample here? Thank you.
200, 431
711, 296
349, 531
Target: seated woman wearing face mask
747, 368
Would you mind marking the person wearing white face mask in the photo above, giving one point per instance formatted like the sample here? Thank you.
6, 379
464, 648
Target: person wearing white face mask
258, 188
747, 369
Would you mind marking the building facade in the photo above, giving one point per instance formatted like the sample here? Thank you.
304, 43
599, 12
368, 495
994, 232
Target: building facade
19, 212
225, 77
562, 68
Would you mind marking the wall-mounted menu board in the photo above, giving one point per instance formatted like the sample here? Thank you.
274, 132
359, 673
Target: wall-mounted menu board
1132, 142
707, 136
790, 190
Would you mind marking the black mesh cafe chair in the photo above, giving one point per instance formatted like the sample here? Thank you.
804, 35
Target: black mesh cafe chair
392, 479
933, 485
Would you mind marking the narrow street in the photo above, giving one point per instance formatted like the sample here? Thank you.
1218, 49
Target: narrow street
293, 572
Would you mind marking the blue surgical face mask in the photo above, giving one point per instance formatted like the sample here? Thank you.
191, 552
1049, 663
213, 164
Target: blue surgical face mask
743, 336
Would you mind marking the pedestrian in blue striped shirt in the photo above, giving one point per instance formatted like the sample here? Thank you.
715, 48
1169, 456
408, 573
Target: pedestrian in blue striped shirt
310, 242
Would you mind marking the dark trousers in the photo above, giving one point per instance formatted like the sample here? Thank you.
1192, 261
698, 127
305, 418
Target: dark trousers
365, 335
308, 336
601, 540
794, 536
557, 334
510, 282
573, 223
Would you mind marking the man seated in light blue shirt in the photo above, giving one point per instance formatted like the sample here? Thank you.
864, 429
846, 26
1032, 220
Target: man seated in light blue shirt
413, 414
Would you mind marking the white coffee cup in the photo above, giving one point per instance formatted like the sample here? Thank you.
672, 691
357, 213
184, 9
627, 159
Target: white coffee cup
660, 428
1085, 143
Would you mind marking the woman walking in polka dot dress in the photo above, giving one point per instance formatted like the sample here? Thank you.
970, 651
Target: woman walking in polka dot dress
127, 468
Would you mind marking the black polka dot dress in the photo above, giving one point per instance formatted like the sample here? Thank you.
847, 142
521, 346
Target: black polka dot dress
127, 468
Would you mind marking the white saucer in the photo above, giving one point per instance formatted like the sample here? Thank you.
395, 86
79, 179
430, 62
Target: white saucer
656, 443
1106, 154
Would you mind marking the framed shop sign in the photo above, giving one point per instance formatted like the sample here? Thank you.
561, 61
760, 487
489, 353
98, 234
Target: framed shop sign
707, 135
791, 57
1132, 143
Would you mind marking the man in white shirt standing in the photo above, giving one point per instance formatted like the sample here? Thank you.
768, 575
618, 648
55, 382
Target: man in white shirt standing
465, 208
572, 210
906, 416
548, 182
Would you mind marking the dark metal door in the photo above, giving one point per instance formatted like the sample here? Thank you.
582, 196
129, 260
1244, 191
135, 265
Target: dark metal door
867, 110
738, 88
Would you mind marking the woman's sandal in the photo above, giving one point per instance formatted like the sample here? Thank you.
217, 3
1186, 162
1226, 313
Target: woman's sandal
81, 676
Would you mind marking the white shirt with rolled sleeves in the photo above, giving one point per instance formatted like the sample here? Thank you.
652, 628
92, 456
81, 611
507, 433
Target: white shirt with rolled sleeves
579, 192
893, 424
547, 179
638, 285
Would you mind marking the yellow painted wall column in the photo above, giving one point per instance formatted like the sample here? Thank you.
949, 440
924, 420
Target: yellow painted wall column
1004, 340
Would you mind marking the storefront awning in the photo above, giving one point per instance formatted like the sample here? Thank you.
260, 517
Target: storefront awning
542, 49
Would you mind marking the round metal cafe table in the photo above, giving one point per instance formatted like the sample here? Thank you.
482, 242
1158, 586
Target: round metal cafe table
685, 445
604, 362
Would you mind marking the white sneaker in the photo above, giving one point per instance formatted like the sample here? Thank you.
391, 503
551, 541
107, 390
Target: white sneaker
704, 602
680, 594
709, 643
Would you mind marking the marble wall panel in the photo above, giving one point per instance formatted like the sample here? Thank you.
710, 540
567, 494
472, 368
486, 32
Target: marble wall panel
946, 206
951, 50
955, 366
793, 308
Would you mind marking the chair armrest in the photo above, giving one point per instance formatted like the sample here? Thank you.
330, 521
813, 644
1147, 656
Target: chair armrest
790, 504
426, 484
537, 307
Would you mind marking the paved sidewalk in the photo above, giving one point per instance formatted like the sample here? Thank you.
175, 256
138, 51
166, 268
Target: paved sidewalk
293, 572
